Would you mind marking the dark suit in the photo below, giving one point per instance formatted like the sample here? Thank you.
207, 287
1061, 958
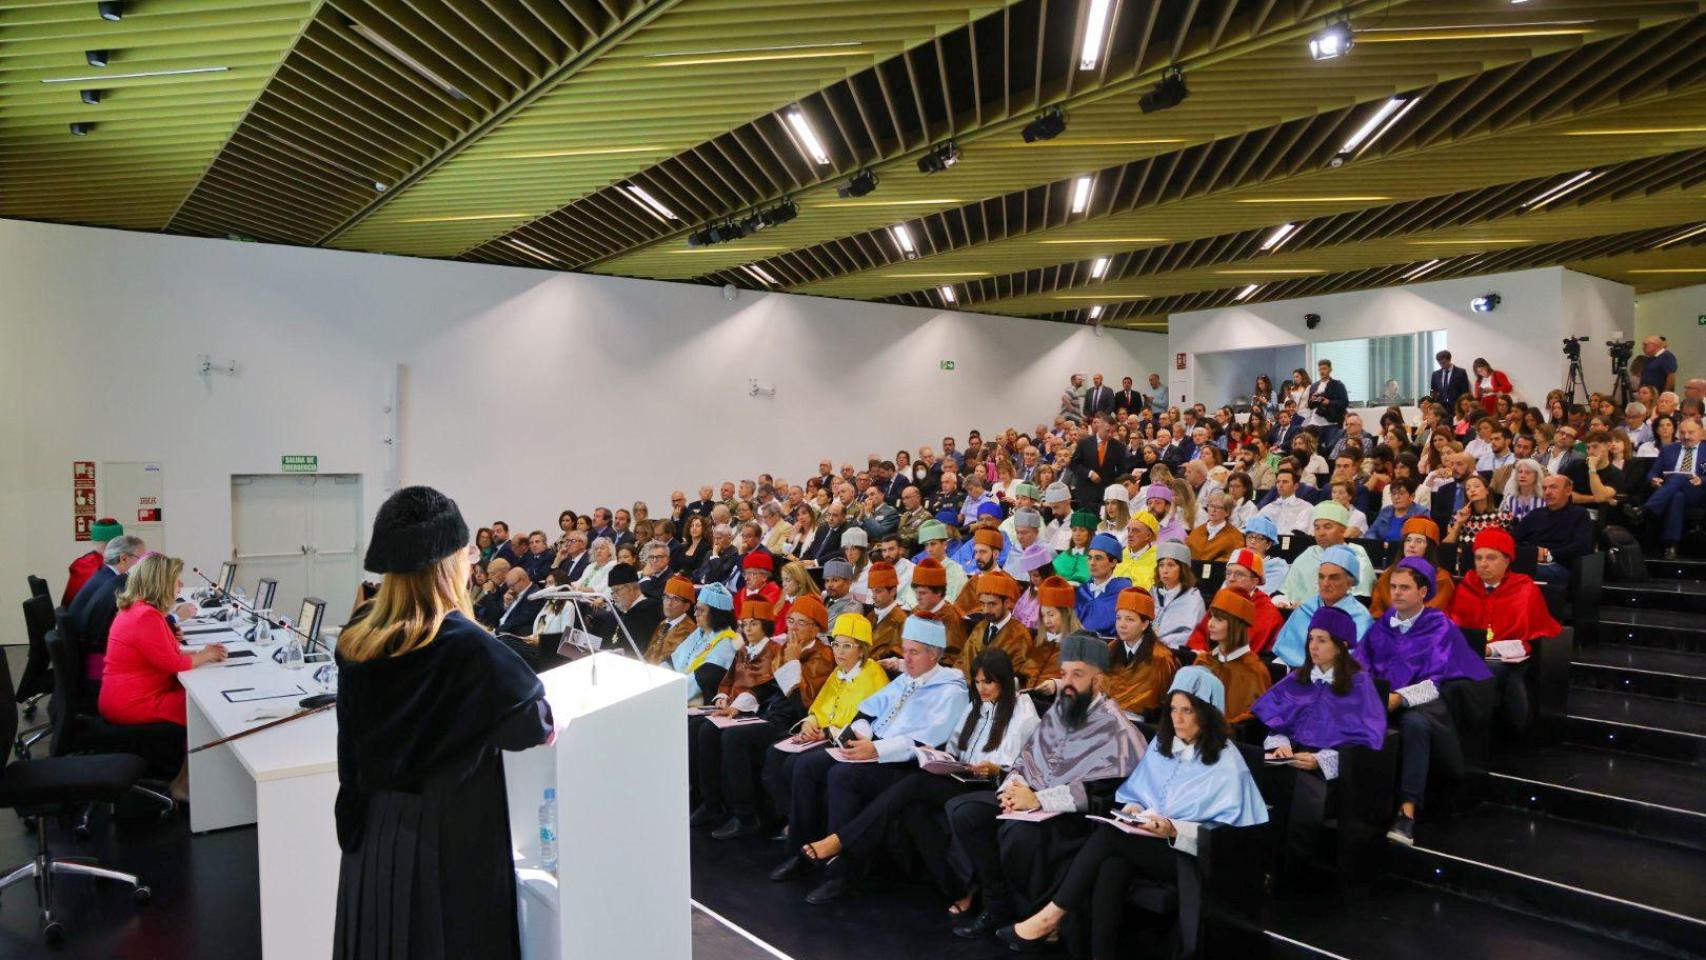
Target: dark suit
653, 587
1106, 465
574, 568
700, 507
1280, 437
1330, 400
715, 568
519, 618
1179, 452
1098, 400
825, 545
641, 619
1128, 400
1448, 385
91, 613
1675, 495
537, 565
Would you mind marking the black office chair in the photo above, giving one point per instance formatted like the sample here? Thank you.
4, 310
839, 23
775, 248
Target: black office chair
78, 727
38, 588
39, 788
37, 681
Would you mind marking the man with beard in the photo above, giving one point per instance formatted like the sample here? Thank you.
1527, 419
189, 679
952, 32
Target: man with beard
999, 629
987, 548
1082, 751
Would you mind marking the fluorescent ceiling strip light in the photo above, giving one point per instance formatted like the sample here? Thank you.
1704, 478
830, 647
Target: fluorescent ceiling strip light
947, 294
758, 271
902, 238
1428, 267
1095, 33
104, 77
302, 150
1246, 293
808, 138
1096, 312
1281, 234
407, 61
1363, 132
530, 248
649, 202
1081, 194
1695, 232
1571, 185
1099, 267
466, 217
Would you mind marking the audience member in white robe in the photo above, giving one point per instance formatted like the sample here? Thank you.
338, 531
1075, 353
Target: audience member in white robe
1178, 602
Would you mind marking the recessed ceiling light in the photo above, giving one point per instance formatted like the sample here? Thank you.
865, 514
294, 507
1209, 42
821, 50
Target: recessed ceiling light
1096, 312
1081, 194
947, 294
1246, 293
649, 202
104, 77
1095, 33
1279, 236
903, 239
809, 143
1099, 267
758, 271
397, 54
1428, 267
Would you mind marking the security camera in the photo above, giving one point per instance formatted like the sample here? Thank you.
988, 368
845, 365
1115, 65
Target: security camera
1312, 320
1486, 303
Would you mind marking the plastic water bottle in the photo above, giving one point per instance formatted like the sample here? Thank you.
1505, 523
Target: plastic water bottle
548, 830
294, 657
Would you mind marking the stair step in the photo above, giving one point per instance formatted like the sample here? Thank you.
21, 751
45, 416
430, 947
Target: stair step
1401, 920
1680, 595
1624, 885
1652, 798
1662, 629
1667, 729
1683, 569
1649, 672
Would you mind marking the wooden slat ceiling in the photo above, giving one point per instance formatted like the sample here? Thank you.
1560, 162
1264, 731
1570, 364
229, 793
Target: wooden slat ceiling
513, 131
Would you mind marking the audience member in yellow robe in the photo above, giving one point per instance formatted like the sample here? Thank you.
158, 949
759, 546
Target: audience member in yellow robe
1138, 565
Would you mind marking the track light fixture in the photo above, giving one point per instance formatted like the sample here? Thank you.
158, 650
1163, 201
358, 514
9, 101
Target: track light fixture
81, 129
717, 233
939, 158
772, 217
90, 97
1170, 91
1486, 303
1051, 124
97, 58
1334, 40
857, 185
111, 9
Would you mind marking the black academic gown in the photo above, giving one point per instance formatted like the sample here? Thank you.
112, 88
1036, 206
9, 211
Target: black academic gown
422, 812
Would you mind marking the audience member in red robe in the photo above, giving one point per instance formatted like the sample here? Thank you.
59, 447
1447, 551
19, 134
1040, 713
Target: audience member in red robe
1244, 574
84, 567
758, 570
1506, 613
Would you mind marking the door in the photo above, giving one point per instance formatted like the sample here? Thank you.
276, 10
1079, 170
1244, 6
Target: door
303, 531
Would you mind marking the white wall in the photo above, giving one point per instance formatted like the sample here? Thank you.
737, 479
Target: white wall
524, 392
1523, 336
1675, 315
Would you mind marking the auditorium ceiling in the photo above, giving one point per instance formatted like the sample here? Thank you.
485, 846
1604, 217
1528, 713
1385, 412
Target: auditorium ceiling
1117, 160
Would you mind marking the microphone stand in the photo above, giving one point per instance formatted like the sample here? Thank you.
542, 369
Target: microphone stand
256, 614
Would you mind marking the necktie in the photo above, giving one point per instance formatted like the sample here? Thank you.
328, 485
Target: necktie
989, 635
1101, 452
1687, 465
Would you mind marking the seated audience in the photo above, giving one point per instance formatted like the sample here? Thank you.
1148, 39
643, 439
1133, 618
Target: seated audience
1217, 537
709, 651
1503, 613
1244, 576
1336, 573
1560, 531
1097, 596
1139, 665
1231, 660
1421, 539
1178, 603
1260, 537
1330, 521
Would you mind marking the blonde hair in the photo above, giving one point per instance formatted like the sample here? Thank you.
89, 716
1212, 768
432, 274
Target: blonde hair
803, 577
153, 581
408, 610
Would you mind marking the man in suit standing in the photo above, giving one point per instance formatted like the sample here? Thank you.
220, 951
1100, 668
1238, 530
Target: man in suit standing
1127, 399
1327, 403
1095, 461
1676, 478
1448, 383
1098, 400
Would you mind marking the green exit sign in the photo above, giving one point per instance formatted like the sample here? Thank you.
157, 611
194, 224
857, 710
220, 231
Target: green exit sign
949, 364
1701, 320
300, 463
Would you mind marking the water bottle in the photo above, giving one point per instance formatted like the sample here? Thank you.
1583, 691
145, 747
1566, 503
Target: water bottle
294, 658
548, 830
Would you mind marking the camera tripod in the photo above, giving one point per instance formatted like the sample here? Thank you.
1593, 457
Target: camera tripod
1621, 392
1573, 380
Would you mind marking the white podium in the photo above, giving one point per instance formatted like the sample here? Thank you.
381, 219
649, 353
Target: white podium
619, 766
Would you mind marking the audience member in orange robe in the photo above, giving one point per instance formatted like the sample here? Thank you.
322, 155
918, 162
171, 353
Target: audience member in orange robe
999, 629
1140, 666
1421, 539
1243, 673
1244, 574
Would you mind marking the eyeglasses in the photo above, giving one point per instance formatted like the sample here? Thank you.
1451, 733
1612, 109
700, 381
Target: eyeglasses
845, 645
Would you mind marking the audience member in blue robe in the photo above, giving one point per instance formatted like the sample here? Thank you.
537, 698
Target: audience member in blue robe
1336, 576
1194, 775
708, 651
1328, 705
1099, 596
1412, 652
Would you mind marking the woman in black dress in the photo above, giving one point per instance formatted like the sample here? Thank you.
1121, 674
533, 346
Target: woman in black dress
426, 701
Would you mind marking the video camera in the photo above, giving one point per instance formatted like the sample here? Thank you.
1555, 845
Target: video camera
1621, 352
1573, 347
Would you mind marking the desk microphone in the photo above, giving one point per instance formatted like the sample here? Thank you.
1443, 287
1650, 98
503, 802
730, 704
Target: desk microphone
275, 624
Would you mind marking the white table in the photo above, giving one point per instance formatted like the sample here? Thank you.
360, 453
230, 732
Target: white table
283, 780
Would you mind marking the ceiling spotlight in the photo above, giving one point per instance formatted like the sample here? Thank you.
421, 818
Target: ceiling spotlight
857, 185
1486, 303
947, 294
81, 129
90, 97
1099, 267
1170, 91
1281, 234
1046, 127
717, 233
1081, 194
1095, 33
97, 58
111, 9
939, 158
807, 136
1333, 41
903, 240
772, 217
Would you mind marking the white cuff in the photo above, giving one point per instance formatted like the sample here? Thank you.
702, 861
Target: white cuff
1329, 763
1275, 741
862, 729
1186, 840
745, 703
1417, 694
895, 750
1058, 799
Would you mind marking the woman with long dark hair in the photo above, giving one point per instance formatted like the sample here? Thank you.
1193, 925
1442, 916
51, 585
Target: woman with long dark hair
426, 701
686, 556
996, 723
1191, 775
